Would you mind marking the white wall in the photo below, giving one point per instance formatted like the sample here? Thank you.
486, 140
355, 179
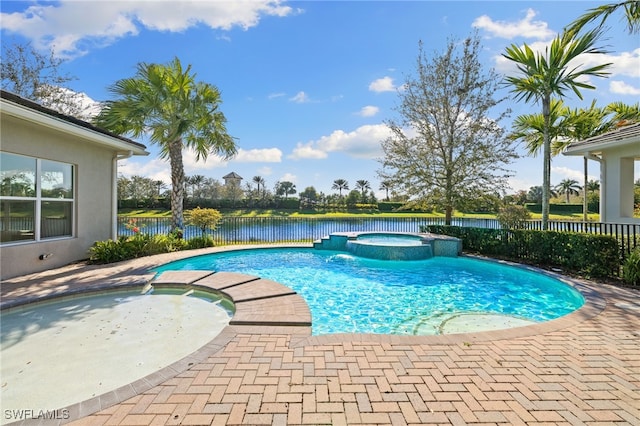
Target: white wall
617, 191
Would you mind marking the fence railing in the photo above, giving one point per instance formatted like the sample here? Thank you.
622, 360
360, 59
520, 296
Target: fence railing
265, 230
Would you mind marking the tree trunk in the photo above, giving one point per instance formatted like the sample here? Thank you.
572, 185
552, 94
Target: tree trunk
448, 213
177, 185
546, 159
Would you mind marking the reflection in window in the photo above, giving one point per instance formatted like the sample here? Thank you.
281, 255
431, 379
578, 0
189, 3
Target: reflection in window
18, 175
56, 180
35, 192
17, 220
56, 219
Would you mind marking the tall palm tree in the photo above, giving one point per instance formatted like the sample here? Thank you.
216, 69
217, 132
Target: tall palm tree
543, 75
631, 14
177, 112
593, 186
386, 187
568, 187
259, 181
340, 184
363, 185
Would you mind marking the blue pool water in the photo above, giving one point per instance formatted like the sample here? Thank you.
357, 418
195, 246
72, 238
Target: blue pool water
351, 294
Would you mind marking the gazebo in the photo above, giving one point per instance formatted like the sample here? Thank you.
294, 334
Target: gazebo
616, 151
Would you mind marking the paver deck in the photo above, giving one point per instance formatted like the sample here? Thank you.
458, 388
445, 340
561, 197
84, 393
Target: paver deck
581, 369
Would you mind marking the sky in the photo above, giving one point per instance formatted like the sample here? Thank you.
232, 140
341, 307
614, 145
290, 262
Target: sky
308, 86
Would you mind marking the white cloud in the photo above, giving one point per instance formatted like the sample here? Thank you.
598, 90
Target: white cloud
288, 177
567, 173
622, 88
384, 84
525, 27
300, 98
364, 142
67, 25
154, 168
307, 151
275, 95
369, 111
265, 155
266, 171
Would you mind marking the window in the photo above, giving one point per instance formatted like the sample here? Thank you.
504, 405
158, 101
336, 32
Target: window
37, 199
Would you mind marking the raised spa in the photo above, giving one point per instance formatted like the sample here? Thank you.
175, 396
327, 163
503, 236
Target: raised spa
391, 245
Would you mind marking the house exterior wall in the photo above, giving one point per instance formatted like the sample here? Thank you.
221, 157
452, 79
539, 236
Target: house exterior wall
618, 178
93, 168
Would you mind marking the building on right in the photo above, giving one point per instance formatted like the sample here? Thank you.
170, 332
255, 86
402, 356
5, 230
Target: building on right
616, 151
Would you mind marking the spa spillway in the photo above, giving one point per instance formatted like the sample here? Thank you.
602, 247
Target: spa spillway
391, 245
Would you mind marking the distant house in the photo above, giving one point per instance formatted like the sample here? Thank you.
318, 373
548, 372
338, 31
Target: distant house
58, 191
616, 152
232, 179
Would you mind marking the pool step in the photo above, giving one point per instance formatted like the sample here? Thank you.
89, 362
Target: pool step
257, 301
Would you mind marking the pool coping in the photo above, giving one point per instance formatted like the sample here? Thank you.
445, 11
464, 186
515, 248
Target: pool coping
236, 287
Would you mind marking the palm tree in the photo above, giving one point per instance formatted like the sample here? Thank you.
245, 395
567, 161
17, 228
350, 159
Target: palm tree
340, 184
631, 12
530, 129
259, 181
568, 187
177, 112
386, 187
363, 185
545, 75
593, 186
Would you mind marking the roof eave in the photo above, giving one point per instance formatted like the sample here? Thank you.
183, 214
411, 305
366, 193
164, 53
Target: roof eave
28, 114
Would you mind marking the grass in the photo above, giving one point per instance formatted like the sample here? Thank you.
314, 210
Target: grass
312, 214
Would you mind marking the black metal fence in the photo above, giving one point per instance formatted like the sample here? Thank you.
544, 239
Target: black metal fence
265, 230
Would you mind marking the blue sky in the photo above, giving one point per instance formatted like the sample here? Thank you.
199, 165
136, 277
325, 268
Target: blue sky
307, 86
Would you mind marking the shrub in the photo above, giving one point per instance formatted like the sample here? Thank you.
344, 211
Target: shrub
200, 242
512, 216
631, 268
594, 256
107, 251
205, 219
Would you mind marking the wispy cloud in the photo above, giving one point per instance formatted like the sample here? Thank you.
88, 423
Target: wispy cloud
300, 98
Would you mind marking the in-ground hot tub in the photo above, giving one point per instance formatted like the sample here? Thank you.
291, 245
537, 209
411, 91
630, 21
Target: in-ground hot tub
392, 245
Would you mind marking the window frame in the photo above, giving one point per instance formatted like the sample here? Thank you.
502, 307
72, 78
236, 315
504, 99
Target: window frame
39, 200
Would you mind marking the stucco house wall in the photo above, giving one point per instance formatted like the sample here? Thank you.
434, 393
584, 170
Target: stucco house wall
94, 185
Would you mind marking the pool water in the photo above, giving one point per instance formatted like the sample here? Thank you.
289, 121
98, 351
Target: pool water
61, 352
352, 294
389, 239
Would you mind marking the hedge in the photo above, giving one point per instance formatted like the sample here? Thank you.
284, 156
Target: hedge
593, 256
556, 208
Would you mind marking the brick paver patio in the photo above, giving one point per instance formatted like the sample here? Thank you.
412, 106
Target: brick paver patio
581, 369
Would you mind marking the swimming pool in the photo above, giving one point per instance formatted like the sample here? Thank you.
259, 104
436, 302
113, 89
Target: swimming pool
348, 294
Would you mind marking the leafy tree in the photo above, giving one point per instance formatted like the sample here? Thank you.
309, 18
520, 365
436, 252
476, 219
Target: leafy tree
545, 75
446, 149
177, 112
309, 197
38, 77
568, 187
513, 216
340, 184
